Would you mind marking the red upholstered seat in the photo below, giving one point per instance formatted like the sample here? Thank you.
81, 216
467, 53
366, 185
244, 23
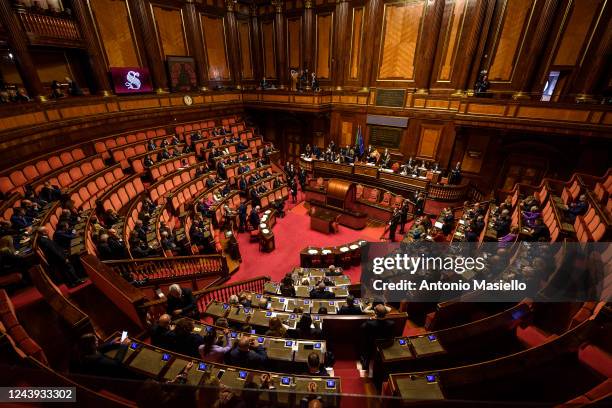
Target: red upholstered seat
532, 336
18, 333
596, 358
66, 158
600, 391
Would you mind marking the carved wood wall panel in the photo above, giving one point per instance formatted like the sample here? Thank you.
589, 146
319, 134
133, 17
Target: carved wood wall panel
356, 42
294, 39
511, 34
400, 37
244, 36
324, 42
115, 31
575, 33
216, 47
267, 34
170, 31
453, 31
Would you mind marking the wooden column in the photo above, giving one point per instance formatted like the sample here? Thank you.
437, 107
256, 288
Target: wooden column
308, 36
143, 20
234, 50
523, 77
96, 61
341, 44
477, 9
595, 61
18, 44
280, 44
427, 50
256, 44
374, 10
194, 37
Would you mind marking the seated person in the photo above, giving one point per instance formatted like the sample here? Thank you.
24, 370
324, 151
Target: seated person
315, 368
181, 302
246, 354
287, 288
276, 328
320, 293
212, 350
539, 231
161, 333
93, 361
577, 208
305, 330
332, 270
185, 340
64, 235
57, 258
350, 308
509, 238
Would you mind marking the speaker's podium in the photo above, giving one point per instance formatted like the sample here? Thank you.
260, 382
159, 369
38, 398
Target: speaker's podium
339, 196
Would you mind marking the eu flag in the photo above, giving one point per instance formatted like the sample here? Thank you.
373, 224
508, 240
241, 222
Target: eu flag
359, 142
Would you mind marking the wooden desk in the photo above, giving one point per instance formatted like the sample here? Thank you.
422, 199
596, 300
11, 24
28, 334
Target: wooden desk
322, 221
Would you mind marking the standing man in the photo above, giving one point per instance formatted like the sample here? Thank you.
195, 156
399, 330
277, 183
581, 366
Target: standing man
419, 205
403, 215
242, 216
395, 220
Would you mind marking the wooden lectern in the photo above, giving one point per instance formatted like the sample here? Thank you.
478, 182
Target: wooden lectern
339, 192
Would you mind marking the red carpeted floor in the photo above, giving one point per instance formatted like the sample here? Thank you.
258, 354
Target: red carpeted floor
291, 234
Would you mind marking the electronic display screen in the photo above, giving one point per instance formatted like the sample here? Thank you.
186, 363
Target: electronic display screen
127, 80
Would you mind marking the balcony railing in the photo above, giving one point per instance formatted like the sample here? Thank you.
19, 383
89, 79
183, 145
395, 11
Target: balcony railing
47, 27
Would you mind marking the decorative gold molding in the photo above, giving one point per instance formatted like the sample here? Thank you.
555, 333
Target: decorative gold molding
520, 96
307, 4
229, 6
253, 10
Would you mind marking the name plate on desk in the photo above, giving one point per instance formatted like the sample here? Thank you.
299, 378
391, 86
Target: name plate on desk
406, 180
392, 98
342, 168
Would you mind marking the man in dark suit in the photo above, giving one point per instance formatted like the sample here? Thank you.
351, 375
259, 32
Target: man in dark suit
63, 236
320, 293
242, 216
161, 335
377, 328
350, 308
245, 354
254, 217
181, 302
393, 223
403, 216
57, 259
94, 362
419, 205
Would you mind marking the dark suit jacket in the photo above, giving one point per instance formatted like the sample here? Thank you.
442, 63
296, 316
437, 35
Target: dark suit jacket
350, 310
249, 359
186, 302
53, 252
